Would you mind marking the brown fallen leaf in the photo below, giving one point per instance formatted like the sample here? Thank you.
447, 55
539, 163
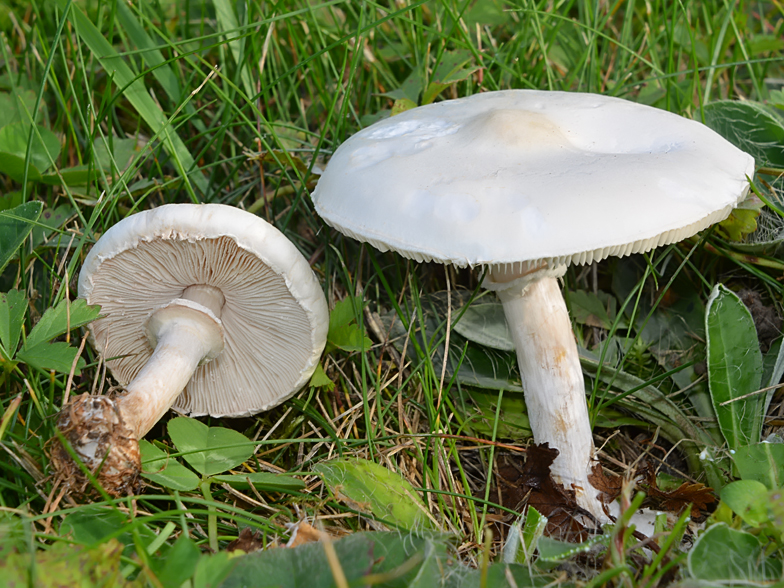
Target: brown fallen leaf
531, 484
302, 533
610, 487
696, 494
248, 540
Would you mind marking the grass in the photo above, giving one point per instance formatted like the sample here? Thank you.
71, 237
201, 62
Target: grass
239, 103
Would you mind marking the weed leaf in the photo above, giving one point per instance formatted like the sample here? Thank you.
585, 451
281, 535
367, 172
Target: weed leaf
15, 225
58, 356
159, 468
13, 150
763, 462
263, 481
13, 306
344, 333
92, 524
178, 563
209, 450
748, 499
369, 487
734, 367
726, 555
67, 315
750, 126
484, 322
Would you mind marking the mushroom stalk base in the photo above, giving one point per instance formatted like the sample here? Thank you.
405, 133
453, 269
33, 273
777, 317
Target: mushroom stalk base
553, 383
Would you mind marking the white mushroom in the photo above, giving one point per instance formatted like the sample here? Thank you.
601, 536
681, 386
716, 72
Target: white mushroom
205, 308
525, 183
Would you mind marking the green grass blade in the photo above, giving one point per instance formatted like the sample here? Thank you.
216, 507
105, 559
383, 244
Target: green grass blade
228, 23
135, 91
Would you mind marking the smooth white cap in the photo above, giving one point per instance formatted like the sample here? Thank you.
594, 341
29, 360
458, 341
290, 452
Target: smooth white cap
520, 178
274, 318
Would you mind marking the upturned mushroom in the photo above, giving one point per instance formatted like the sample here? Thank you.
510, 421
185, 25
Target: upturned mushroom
206, 309
525, 183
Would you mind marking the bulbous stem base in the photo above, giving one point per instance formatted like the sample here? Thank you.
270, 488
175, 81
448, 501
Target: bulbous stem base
95, 430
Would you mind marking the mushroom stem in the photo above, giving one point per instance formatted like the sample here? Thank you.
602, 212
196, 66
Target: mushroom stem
553, 382
185, 333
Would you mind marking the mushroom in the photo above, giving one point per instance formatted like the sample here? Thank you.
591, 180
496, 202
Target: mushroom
524, 183
206, 309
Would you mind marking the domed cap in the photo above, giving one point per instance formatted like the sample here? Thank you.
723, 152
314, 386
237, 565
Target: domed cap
523, 177
274, 318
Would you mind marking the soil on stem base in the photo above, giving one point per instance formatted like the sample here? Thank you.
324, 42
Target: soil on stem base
94, 427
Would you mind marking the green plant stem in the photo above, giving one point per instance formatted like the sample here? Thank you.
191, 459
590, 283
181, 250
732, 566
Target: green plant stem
212, 517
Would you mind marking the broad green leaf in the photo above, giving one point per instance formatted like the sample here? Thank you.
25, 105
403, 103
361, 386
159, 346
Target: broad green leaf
480, 366
15, 225
734, 367
409, 90
58, 356
401, 105
484, 322
263, 481
554, 550
452, 68
369, 487
122, 152
44, 150
349, 338
588, 309
67, 565
763, 462
135, 92
751, 127
726, 555
343, 313
209, 450
489, 12
740, 223
390, 559
178, 563
212, 570
71, 176
67, 315
11, 200
359, 554
91, 524
13, 306
480, 414
320, 379
50, 220
165, 471
747, 499
344, 333
16, 107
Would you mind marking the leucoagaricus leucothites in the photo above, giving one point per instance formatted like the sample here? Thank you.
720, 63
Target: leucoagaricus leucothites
525, 183
204, 308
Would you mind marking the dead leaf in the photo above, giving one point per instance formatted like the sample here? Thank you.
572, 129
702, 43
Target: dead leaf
302, 533
610, 487
696, 494
531, 484
248, 540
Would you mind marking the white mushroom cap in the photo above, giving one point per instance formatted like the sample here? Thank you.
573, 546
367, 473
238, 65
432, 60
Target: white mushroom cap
530, 176
274, 318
